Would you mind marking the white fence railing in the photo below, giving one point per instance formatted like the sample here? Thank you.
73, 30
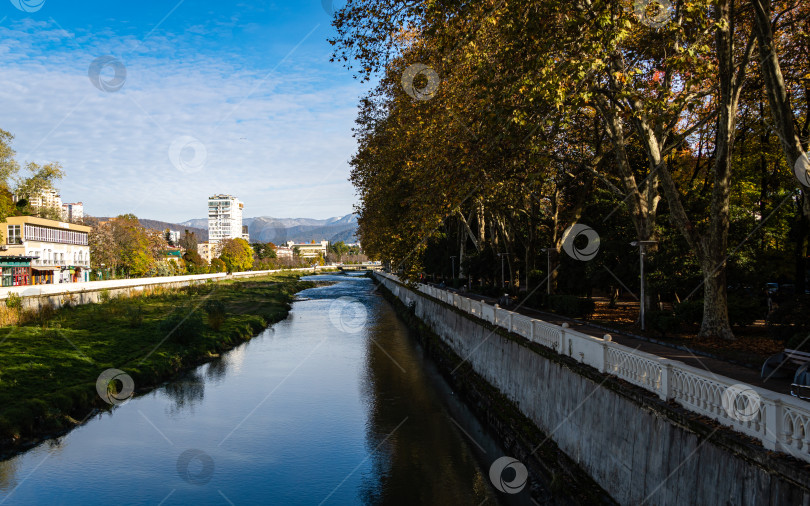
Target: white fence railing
779, 421
112, 284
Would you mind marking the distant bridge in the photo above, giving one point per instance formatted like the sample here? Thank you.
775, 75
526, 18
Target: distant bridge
360, 267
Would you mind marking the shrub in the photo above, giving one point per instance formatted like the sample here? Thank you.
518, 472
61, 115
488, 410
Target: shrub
185, 325
215, 309
14, 301
570, 305
104, 296
663, 322
800, 341
744, 311
690, 311
69, 300
791, 318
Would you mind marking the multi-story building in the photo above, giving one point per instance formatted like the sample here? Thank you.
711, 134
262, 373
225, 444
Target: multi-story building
224, 217
73, 211
284, 252
245, 233
208, 250
45, 198
174, 237
309, 250
59, 252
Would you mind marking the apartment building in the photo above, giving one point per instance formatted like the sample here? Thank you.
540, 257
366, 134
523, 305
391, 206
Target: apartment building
174, 237
73, 211
57, 252
224, 217
284, 252
208, 250
46, 198
309, 250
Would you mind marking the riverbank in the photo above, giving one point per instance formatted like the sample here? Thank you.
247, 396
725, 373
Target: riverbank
49, 365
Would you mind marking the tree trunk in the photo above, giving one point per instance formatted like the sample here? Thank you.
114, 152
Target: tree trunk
710, 245
783, 122
775, 87
802, 237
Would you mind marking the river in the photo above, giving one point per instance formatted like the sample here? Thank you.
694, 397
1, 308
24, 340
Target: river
334, 405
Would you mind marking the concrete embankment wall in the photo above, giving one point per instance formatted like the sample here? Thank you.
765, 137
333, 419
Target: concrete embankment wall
638, 448
37, 296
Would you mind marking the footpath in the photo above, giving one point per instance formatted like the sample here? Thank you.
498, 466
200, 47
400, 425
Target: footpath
693, 358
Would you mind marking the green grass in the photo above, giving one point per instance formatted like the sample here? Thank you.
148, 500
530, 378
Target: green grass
48, 369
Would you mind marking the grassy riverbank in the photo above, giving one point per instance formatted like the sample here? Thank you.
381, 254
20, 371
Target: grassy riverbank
49, 366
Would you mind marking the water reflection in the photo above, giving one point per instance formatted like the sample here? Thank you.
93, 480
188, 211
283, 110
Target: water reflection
424, 448
8, 475
188, 390
315, 408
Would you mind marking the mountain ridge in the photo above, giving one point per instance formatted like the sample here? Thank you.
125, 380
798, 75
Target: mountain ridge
280, 230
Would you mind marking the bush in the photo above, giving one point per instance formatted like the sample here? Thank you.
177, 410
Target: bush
744, 311
663, 322
791, 318
690, 311
570, 305
14, 301
185, 325
215, 309
104, 296
800, 341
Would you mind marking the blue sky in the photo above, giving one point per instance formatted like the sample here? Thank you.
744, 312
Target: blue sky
217, 97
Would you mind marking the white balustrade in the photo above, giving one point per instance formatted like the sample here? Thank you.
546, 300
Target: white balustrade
522, 325
634, 366
779, 421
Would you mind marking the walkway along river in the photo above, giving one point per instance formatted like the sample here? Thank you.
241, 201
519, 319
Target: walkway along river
335, 405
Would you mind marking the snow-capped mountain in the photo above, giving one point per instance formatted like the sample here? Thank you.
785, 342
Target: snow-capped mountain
280, 230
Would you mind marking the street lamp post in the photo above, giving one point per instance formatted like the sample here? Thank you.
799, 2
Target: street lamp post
548, 277
643, 297
453, 268
503, 284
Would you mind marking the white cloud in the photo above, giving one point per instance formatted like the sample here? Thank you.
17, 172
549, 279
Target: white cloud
278, 140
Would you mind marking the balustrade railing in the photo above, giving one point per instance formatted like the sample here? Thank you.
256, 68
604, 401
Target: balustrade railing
779, 421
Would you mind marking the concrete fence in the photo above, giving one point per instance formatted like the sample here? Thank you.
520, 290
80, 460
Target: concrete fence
780, 422
34, 296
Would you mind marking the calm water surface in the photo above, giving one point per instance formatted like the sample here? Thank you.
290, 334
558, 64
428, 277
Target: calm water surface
335, 405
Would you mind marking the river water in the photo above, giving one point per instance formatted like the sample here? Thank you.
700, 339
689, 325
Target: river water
334, 405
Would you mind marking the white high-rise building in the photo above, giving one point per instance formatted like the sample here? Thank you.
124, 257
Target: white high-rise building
224, 218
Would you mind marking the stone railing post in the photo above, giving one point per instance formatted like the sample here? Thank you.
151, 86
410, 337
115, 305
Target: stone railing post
561, 351
531, 329
606, 339
509, 327
774, 418
665, 391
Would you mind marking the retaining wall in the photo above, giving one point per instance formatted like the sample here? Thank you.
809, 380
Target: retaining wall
639, 448
36, 296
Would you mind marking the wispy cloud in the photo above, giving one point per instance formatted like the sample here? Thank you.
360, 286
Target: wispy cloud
283, 149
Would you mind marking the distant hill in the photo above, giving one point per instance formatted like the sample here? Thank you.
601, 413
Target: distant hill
280, 230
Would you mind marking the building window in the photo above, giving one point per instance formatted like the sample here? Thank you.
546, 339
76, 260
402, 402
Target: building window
14, 236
